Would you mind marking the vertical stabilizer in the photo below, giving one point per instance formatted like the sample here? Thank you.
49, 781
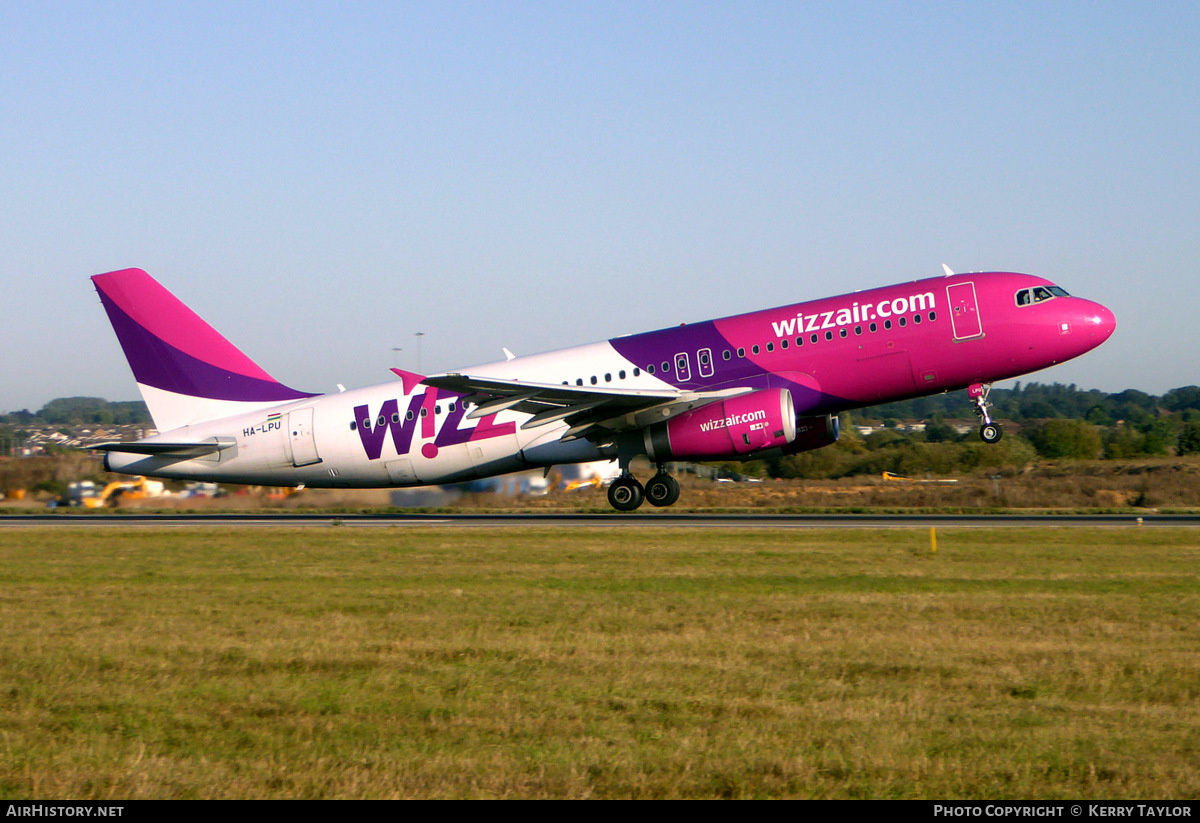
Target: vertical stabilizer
186, 370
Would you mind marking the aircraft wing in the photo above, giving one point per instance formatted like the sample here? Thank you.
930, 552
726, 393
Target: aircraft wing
590, 411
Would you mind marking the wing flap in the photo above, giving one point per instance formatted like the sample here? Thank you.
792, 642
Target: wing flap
539, 396
589, 411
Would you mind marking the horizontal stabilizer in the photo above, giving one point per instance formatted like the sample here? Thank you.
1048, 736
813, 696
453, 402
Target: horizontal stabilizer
173, 449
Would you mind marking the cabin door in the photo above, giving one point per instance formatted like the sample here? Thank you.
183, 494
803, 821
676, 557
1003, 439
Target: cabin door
300, 437
964, 311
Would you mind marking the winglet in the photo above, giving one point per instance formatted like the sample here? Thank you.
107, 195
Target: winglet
409, 379
946, 269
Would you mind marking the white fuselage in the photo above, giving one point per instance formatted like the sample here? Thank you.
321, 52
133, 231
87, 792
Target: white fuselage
383, 435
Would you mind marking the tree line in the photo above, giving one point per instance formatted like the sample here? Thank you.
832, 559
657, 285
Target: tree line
1048, 421
1052, 421
81, 411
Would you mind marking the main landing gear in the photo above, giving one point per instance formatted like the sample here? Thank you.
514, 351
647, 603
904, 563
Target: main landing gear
626, 493
989, 431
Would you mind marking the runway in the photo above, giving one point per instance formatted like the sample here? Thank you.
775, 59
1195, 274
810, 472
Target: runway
614, 520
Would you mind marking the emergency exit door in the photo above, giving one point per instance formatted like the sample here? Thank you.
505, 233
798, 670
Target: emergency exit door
300, 436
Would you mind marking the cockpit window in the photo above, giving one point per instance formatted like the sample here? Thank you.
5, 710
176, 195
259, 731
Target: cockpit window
1039, 294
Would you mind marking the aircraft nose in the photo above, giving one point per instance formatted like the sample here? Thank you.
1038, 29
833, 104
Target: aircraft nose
1099, 322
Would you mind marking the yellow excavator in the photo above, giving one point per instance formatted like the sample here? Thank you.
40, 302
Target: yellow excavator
114, 492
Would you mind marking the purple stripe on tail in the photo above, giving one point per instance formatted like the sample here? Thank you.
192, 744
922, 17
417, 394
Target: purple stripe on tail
162, 365
163, 315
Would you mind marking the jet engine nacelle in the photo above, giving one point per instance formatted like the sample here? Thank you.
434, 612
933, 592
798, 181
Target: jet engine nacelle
725, 428
813, 433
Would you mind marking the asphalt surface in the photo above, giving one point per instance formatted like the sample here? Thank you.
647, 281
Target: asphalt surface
649, 519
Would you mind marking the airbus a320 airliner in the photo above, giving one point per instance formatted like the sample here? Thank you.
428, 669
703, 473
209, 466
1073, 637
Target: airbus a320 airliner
754, 385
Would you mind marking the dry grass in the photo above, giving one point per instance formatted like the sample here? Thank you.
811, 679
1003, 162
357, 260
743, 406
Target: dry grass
532, 662
1164, 484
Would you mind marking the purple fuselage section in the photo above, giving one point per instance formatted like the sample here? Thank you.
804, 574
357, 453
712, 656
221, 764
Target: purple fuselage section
880, 345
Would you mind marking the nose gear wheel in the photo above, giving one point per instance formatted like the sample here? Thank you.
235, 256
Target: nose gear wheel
989, 430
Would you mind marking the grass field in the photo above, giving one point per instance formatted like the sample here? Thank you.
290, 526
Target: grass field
545, 662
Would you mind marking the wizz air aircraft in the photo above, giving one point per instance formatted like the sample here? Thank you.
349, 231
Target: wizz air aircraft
751, 386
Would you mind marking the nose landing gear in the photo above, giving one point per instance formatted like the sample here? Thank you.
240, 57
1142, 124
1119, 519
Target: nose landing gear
989, 431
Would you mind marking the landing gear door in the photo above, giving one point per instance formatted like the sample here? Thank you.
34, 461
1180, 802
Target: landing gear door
300, 438
964, 311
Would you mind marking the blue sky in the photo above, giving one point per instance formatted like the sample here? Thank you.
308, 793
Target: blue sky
321, 181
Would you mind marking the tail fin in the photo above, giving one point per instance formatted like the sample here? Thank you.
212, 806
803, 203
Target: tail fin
186, 370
